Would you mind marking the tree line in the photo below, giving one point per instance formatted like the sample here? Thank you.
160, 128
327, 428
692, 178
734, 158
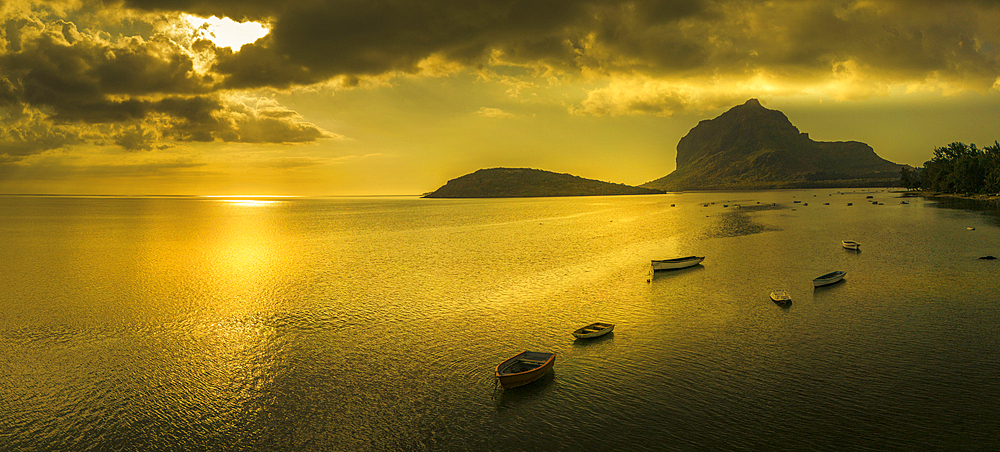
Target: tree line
957, 168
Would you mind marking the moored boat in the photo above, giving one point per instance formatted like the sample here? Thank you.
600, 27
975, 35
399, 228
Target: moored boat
781, 297
676, 263
850, 244
593, 330
524, 368
829, 278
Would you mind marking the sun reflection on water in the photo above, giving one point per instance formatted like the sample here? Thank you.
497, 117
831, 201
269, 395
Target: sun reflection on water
250, 202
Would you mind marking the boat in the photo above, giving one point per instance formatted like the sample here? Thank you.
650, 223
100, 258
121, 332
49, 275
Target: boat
850, 244
593, 330
676, 263
524, 368
829, 278
781, 297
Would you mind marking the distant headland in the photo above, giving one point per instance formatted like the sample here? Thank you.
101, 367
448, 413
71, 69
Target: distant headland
752, 147
748, 147
526, 183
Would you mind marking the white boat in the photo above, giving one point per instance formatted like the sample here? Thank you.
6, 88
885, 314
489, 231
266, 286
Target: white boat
829, 278
594, 330
851, 244
676, 263
780, 296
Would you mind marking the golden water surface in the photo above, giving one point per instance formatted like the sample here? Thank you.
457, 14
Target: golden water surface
154, 324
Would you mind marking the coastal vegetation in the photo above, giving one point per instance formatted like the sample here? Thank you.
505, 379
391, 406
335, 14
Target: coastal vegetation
957, 168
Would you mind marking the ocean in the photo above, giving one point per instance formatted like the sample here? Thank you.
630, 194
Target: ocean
318, 324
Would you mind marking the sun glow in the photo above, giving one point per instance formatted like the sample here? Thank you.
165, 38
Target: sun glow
226, 32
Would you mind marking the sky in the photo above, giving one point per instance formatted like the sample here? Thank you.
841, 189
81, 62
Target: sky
394, 97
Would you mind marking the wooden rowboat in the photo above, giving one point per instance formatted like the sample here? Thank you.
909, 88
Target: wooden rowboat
676, 264
594, 330
524, 368
829, 278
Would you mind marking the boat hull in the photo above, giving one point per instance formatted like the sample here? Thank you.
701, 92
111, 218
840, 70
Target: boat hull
594, 330
509, 378
676, 264
828, 279
850, 244
781, 297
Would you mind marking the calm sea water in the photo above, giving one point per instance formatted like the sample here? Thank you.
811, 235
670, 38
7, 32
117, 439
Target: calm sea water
154, 324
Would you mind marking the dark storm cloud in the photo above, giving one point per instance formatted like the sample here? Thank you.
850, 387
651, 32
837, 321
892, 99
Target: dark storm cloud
258, 65
56, 80
81, 75
57, 66
239, 10
136, 138
311, 41
890, 38
23, 132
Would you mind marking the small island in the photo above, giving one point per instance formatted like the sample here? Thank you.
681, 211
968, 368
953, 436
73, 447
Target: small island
527, 183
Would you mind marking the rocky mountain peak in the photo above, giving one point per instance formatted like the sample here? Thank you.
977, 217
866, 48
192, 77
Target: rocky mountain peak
750, 146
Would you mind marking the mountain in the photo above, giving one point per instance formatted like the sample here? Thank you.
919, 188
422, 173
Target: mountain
525, 182
752, 147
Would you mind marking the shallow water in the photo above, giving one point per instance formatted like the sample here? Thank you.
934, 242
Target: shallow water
375, 323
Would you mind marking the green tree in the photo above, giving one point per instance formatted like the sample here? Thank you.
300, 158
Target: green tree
908, 180
960, 168
991, 168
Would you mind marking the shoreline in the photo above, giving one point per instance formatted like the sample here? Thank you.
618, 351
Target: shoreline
993, 200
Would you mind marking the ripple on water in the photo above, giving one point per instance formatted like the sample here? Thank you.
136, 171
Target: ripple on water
376, 325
